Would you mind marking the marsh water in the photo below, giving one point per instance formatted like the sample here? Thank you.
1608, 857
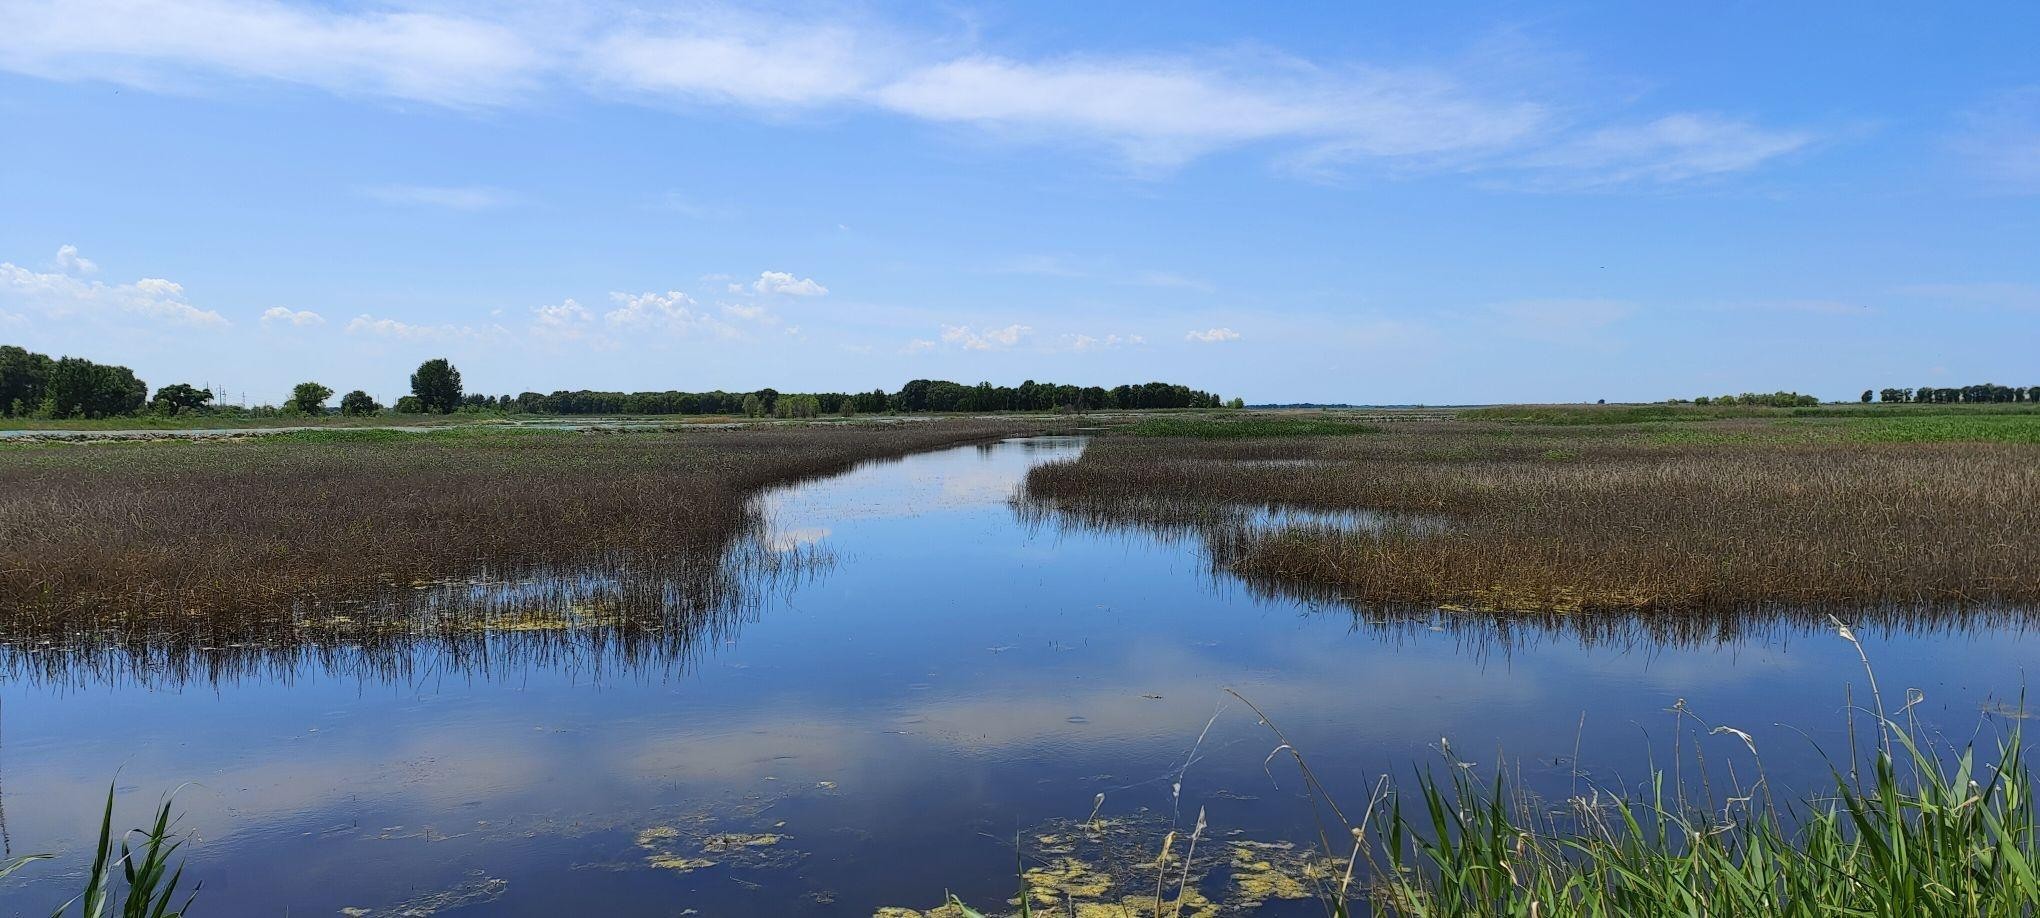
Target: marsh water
945, 674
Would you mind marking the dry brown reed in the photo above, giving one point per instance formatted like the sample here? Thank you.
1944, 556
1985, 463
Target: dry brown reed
1590, 519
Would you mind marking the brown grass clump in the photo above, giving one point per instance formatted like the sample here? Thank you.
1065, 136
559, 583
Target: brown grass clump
1488, 517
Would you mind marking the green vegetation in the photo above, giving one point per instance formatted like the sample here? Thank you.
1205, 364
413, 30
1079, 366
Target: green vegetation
1948, 428
141, 882
358, 404
1581, 415
308, 398
33, 385
1222, 429
47, 393
436, 386
1910, 827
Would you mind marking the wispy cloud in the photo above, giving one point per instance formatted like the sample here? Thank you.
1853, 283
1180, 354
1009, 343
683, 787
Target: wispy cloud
407, 54
1154, 111
298, 318
1213, 335
1988, 294
1671, 149
463, 197
2001, 140
989, 339
369, 326
65, 294
1101, 343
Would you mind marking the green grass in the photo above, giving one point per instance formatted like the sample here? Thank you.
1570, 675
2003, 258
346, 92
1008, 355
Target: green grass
1581, 415
1976, 428
1209, 429
1911, 826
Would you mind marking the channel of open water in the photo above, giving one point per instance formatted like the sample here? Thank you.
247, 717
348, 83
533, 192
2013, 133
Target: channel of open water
958, 675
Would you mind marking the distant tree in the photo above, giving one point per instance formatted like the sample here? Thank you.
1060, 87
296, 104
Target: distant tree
436, 385
358, 403
849, 409
410, 404
308, 398
178, 398
80, 388
24, 379
1236, 403
1866, 396
754, 406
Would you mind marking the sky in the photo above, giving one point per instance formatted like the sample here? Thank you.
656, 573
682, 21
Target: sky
1341, 202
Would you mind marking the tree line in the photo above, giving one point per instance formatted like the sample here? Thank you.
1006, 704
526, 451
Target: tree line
34, 385
1771, 399
1941, 395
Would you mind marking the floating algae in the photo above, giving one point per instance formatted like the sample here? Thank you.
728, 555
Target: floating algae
676, 849
1116, 867
1277, 870
479, 890
732, 841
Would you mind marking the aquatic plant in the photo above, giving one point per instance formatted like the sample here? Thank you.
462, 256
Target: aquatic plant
1909, 826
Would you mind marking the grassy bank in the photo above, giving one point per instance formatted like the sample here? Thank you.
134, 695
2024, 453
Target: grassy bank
1923, 509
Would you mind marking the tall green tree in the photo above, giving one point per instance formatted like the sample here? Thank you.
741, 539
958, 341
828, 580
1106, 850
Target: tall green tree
24, 379
178, 398
437, 386
309, 398
79, 388
358, 403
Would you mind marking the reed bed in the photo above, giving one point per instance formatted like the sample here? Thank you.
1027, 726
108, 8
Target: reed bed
178, 554
1591, 518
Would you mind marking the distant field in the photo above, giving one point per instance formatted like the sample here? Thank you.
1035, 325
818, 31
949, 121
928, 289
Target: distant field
1642, 414
1247, 426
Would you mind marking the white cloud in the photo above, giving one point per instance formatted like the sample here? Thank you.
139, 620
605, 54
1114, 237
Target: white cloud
987, 340
1213, 336
751, 313
783, 282
722, 58
408, 54
449, 197
671, 311
1108, 342
70, 262
405, 331
917, 345
62, 294
284, 315
1162, 111
1154, 110
1674, 148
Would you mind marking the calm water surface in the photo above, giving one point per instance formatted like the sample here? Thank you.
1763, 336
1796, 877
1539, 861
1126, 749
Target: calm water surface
956, 675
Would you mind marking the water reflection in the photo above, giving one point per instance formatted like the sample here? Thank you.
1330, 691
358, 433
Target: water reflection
906, 674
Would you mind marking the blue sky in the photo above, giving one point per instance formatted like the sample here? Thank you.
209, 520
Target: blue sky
1333, 202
